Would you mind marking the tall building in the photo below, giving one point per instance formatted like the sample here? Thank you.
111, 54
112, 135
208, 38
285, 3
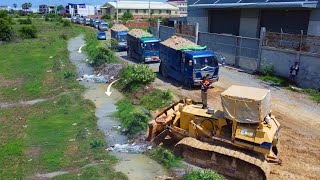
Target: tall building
82, 9
140, 9
45, 8
181, 4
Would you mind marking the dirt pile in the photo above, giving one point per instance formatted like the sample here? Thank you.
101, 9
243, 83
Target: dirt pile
176, 42
109, 71
119, 27
139, 33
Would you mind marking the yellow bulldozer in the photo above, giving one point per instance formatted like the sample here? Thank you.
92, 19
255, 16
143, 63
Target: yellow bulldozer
239, 141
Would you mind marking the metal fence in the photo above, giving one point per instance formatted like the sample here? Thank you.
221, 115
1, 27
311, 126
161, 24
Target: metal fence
297, 42
238, 51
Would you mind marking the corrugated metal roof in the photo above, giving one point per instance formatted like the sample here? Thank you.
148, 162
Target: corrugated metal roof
142, 5
256, 4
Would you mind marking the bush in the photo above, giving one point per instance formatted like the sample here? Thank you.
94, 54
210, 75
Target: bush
69, 74
314, 93
205, 174
25, 21
47, 18
66, 23
28, 32
106, 17
130, 118
3, 13
103, 55
156, 99
126, 16
135, 76
96, 143
112, 43
165, 157
6, 30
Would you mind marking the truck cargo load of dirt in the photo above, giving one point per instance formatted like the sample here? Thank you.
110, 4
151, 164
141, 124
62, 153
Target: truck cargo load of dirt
176, 42
139, 33
119, 27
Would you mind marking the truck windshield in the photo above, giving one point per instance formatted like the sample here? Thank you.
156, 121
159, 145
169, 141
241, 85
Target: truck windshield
201, 62
152, 46
122, 38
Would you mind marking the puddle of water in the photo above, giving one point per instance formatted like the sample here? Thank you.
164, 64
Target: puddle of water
135, 166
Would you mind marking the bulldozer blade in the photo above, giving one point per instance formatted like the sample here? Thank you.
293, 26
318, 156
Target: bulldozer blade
157, 140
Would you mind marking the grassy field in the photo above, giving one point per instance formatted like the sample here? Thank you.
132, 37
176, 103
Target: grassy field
58, 134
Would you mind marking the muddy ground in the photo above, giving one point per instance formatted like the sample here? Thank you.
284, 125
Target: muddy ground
299, 117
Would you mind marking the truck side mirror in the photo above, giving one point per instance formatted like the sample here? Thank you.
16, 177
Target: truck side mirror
190, 62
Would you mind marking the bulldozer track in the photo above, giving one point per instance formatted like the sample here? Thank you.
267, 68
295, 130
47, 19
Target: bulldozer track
230, 162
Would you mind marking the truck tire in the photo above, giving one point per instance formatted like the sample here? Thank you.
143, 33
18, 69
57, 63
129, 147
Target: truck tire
128, 53
163, 70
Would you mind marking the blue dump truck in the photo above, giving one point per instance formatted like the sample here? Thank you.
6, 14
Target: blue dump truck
119, 32
187, 62
143, 46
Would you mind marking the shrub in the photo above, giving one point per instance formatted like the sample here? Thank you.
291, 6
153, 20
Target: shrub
69, 74
106, 17
268, 70
63, 36
66, 23
47, 18
130, 118
112, 43
156, 99
25, 21
165, 157
6, 30
96, 143
3, 13
28, 32
103, 55
134, 76
126, 16
205, 174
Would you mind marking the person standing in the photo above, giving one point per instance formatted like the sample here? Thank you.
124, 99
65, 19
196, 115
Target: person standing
294, 69
205, 84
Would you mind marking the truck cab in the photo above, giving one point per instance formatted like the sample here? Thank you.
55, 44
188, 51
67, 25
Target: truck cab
121, 37
197, 64
149, 49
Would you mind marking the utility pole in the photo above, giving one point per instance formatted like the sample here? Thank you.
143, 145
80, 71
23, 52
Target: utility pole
149, 11
117, 12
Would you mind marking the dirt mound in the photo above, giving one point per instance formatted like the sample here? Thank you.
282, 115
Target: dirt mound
109, 71
176, 42
138, 33
119, 27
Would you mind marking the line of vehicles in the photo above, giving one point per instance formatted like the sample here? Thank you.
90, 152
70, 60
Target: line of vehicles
185, 61
93, 22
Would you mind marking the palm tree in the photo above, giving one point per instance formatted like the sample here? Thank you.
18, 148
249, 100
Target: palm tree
15, 6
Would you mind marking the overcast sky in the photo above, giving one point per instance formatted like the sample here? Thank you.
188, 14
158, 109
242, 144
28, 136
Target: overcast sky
36, 3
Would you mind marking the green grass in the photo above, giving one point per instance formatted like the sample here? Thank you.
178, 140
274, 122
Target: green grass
313, 93
57, 134
205, 174
156, 99
165, 157
274, 79
25, 64
130, 117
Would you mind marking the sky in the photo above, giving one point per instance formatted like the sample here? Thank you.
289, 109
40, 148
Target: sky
36, 3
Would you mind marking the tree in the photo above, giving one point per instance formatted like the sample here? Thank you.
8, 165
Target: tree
61, 7
6, 31
26, 6
15, 6
126, 16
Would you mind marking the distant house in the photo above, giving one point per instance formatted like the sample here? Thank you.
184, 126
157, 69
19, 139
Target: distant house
140, 9
246, 17
181, 4
45, 8
82, 9
6, 8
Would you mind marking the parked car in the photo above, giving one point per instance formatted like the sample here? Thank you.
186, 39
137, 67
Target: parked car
102, 35
81, 20
73, 19
96, 23
86, 22
103, 26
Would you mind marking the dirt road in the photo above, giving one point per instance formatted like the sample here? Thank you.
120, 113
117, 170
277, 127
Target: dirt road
299, 117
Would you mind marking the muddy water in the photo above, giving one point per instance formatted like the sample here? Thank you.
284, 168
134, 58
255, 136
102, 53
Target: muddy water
135, 166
